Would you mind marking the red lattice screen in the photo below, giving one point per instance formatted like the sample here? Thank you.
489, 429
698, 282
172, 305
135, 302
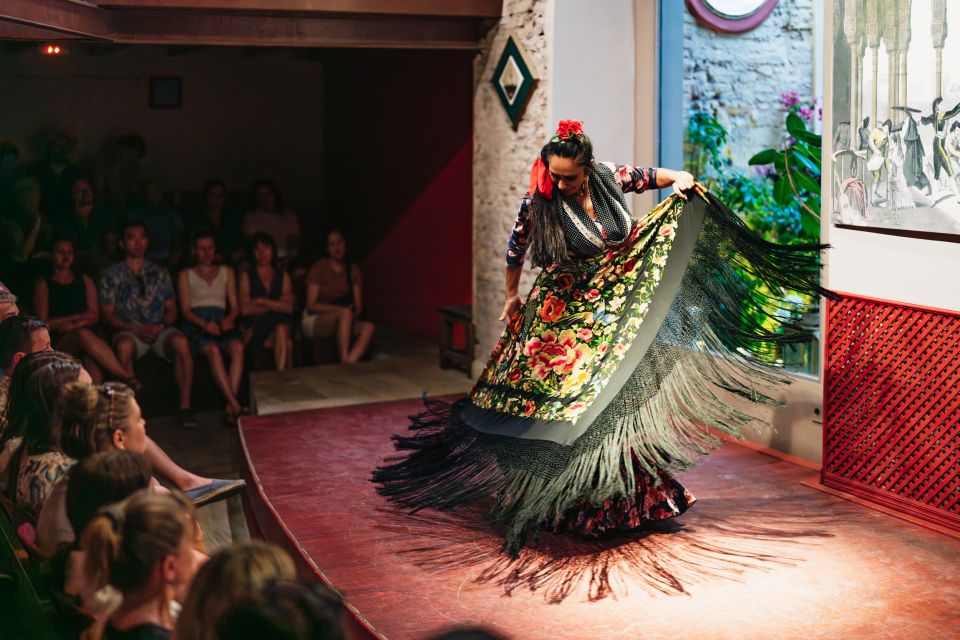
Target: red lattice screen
892, 407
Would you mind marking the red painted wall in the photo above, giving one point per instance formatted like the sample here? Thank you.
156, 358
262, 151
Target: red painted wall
424, 260
398, 175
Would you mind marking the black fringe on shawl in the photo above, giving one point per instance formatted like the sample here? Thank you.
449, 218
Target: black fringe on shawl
702, 350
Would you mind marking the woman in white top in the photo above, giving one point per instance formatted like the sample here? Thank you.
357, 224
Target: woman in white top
208, 305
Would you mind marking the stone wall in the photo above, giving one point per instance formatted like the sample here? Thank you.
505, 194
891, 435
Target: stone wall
739, 78
502, 159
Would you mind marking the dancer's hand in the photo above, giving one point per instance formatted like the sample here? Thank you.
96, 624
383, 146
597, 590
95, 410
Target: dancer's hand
510, 307
682, 181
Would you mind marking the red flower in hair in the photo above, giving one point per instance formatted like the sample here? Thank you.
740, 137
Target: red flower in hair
569, 128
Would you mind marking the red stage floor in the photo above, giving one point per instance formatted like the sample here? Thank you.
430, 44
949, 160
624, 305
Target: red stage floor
758, 556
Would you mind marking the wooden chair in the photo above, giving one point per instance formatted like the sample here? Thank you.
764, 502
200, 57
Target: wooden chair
451, 356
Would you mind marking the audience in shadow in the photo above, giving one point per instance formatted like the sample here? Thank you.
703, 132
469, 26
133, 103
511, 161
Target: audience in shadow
267, 301
334, 302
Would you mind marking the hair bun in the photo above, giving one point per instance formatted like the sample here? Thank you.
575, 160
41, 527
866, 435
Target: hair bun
78, 401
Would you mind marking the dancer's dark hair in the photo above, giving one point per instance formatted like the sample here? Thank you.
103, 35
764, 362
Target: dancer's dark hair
548, 244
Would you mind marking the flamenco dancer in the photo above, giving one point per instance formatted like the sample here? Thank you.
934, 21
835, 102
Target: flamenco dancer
606, 379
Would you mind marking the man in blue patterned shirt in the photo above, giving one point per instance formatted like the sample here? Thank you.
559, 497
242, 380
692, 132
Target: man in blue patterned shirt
137, 301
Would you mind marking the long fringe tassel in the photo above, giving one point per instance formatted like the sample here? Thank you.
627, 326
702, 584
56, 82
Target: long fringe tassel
707, 347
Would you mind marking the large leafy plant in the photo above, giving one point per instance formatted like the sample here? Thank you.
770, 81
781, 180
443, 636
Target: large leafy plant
779, 199
796, 164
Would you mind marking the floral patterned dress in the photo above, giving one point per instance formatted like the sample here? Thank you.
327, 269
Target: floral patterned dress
556, 357
611, 375
38, 476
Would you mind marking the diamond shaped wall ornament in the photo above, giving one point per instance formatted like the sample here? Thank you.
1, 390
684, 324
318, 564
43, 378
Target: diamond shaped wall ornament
513, 81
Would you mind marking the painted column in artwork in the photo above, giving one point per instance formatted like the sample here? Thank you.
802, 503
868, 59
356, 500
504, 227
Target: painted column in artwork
852, 32
938, 30
890, 41
903, 43
872, 33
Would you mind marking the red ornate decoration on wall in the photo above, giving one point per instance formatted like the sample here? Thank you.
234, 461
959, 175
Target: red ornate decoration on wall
891, 425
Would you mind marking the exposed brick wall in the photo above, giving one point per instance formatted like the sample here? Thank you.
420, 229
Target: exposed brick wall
502, 159
738, 78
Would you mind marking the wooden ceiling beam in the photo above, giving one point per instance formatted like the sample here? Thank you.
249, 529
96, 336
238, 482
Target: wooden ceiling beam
17, 31
244, 30
59, 16
437, 8
359, 27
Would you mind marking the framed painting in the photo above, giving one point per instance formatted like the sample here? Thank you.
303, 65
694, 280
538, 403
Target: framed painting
896, 118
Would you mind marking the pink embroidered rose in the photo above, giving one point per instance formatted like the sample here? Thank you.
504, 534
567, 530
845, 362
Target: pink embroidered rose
552, 309
552, 353
592, 295
584, 334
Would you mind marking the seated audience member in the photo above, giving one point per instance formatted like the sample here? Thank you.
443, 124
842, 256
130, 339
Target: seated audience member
232, 576
93, 229
215, 216
96, 482
37, 226
137, 300
144, 548
19, 335
164, 226
289, 610
30, 225
18, 346
266, 301
68, 302
272, 218
37, 462
118, 171
56, 173
92, 419
208, 306
8, 303
335, 302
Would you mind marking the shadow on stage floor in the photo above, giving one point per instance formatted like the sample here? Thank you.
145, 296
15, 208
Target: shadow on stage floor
715, 542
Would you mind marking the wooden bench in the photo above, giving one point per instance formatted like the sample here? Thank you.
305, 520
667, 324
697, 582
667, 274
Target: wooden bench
451, 356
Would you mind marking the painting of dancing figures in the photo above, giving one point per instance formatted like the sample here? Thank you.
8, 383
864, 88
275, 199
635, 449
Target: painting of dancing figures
896, 115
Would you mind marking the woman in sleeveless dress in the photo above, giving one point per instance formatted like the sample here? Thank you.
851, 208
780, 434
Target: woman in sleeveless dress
266, 302
209, 308
67, 300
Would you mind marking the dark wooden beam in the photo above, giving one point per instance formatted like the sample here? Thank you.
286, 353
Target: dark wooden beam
159, 27
449, 8
17, 31
357, 25
58, 15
